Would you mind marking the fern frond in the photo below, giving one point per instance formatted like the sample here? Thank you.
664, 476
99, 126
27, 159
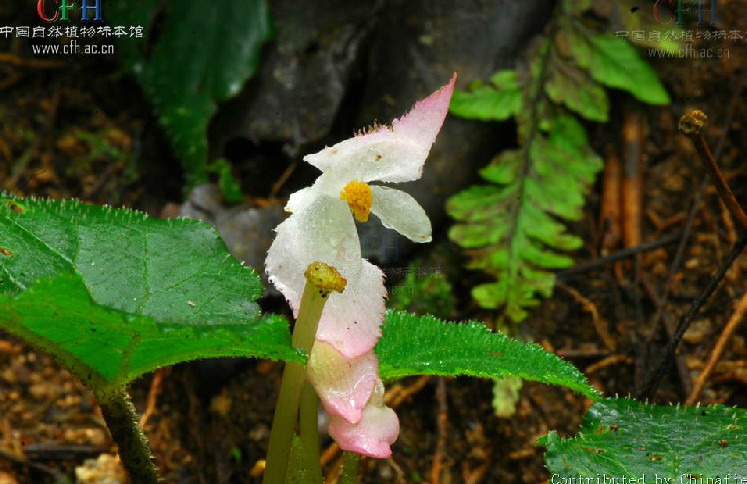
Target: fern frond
514, 227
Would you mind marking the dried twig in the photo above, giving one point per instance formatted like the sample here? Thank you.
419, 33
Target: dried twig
688, 230
57, 475
611, 360
611, 204
621, 254
655, 376
600, 324
691, 124
670, 326
634, 133
442, 424
283, 178
718, 350
155, 390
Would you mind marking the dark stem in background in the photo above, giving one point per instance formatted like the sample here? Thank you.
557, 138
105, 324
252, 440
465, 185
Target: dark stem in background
678, 256
688, 230
654, 378
122, 421
54, 473
691, 124
621, 254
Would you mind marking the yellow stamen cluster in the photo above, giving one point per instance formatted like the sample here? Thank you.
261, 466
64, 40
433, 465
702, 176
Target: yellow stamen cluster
325, 278
359, 197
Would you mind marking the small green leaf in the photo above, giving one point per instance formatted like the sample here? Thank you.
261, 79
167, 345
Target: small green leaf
626, 438
497, 102
665, 37
614, 62
229, 186
506, 395
569, 85
115, 294
424, 345
203, 55
423, 292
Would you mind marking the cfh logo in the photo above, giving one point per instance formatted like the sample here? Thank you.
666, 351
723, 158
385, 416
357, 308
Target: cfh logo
683, 10
62, 10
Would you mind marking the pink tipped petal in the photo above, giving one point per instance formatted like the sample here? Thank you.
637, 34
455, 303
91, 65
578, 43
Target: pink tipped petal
343, 385
322, 229
351, 321
424, 121
374, 434
395, 154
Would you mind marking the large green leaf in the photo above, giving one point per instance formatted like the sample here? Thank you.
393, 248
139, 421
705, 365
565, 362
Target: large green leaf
653, 444
425, 345
145, 292
204, 54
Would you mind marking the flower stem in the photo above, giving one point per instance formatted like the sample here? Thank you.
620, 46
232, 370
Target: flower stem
320, 281
122, 421
349, 467
309, 426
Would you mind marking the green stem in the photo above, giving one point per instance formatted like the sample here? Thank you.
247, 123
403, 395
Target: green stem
119, 415
309, 423
294, 376
349, 468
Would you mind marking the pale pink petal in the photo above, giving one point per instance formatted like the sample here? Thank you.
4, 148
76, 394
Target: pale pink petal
322, 229
351, 321
373, 435
389, 154
344, 385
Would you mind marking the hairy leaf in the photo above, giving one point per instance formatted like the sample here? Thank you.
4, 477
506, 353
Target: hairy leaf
202, 55
144, 292
425, 345
626, 438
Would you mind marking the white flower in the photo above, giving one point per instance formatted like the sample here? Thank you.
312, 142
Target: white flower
321, 227
342, 366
